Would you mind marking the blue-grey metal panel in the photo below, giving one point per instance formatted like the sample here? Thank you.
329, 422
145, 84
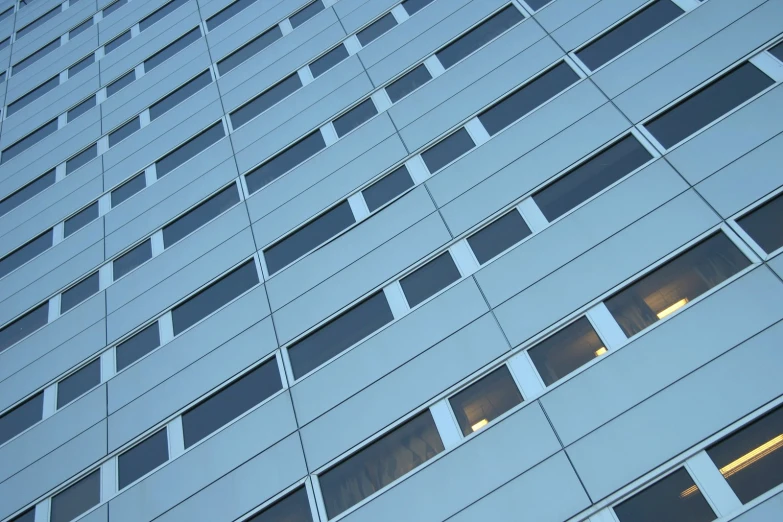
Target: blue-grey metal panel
557, 14
589, 22
54, 27
43, 69
776, 264
100, 514
356, 13
771, 509
126, 16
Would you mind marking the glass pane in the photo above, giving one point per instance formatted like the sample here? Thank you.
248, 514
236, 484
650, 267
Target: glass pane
381, 463
268, 98
558, 355
80, 28
429, 279
20, 418
305, 14
293, 508
8, 12
77, 499
339, 334
387, 188
537, 4
670, 287
27, 516
171, 49
111, 46
777, 51
138, 346
33, 95
132, 259
253, 47
143, 458
37, 55
113, 7
764, 224
82, 158
123, 132
440, 154
285, 161
160, 13
81, 65
329, 60
127, 189
308, 237
478, 36
591, 177
24, 326
168, 102
376, 29
78, 383
214, 296
708, 104
121, 82
200, 215
29, 140
749, 458
498, 236
80, 109
24, 254
408, 83
414, 6
230, 11
355, 117
482, 402
675, 498
27, 192
79, 292
38, 22
74, 223
231, 402
189, 149
5, 43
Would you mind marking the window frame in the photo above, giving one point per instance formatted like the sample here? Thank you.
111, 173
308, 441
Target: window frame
733, 222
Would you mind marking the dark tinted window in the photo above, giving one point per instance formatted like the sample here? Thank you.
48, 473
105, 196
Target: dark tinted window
381, 463
198, 216
27, 516
37, 55
33, 95
537, 4
292, 508
751, 459
413, 6
2, 76
137, 346
478, 36
81, 65
29, 140
530, 96
171, 49
214, 296
308, 237
355, 117
181, 94
268, 98
25, 253
498, 236
123, 132
82, 158
446, 151
121, 82
74, 223
132, 259
675, 498
481, 402
387, 188
591, 177
80, 109
339, 334
113, 7
8, 12
253, 47
20, 418
5, 43
284, 161
408, 83
38, 22
160, 13
429, 279
28, 191
80, 28
708, 104
231, 402
763, 224
558, 355
143, 458
670, 287
127, 189
232, 10
777, 51
77, 499
376, 29
79, 382
189, 149
111, 46
629, 33
79, 292
305, 14
329, 60
24, 326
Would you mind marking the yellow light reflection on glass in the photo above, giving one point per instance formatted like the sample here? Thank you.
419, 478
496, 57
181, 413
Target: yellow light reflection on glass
751, 457
600, 351
673, 308
690, 491
480, 424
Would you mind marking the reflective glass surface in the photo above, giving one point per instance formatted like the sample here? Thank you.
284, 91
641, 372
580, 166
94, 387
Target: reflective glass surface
85, 216
498, 236
446, 151
376, 29
142, 458
25, 253
355, 117
78, 498
294, 155
268, 98
563, 352
132, 259
675, 498
127, 189
137, 346
24, 326
78, 383
27, 192
408, 83
485, 400
479, 35
198, 216
387, 188
15, 421
765, 224
429, 279
79, 292
189, 149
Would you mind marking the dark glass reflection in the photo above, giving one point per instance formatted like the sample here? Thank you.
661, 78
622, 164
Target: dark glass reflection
8, 12
127, 189
27, 516
414, 6
232, 10
113, 7
308, 237
131, 259
408, 83
24, 326
200, 215
387, 188
79, 29
708, 104
80, 65
189, 149
478, 36
160, 13
751, 459
376, 29
329, 60
268, 98
123, 132
27, 192
14, 422
37, 55
339, 334
78, 221
558, 355
176, 97
537, 4
25, 253
80, 109
498, 236
485, 400
675, 498
171, 49
764, 224
777, 51
114, 44
82, 158
429, 279
33, 95
79, 292
370, 469
291, 157
293, 508
231, 402
137, 346
28, 141
446, 151
121, 82
38, 22
670, 287
143, 458
355, 117
78, 383
77, 499
250, 49
591, 177
305, 14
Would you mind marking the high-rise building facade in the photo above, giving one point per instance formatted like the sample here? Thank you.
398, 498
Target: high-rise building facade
384, 261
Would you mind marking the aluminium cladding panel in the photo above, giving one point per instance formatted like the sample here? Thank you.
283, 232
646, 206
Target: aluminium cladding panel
591, 21
557, 14
54, 27
630, 250
28, 13
770, 509
354, 14
100, 514
776, 264
131, 13
685, 413
402, 390
153, 405
471, 471
54, 62
53, 469
247, 24
230, 448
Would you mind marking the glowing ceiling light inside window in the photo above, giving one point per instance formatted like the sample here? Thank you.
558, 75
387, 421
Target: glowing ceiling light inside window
673, 308
751, 457
600, 351
480, 424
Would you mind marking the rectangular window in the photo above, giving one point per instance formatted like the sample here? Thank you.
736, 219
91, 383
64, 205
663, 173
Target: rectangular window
537, 4
376, 29
232, 10
632, 31
530, 96
387, 188
78, 383
200, 215
447, 150
284, 161
28, 141
591, 177
142, 458
158, 15
214, 296
763, 224
80, 109
563, 352
120, 83
33, 95
777, 51
113, 7
429, 279
321, 229
498, 236
27, 516
414, 6
172, 49
5, 43
250, 49
27, 192
671, 286
79, 292
80, 28
123, 132
132, 258
24, 326
14, 422
339, 334
8, 12
307, 13
84, 157
189, 149
137, 346
181, 94
485, 400
329, 60
26, 252
485, 32
2, 76
230, 402
375, 466
708, 104
78, 221
81, 65
268, 98
408, 83
127, 189
114, 44
78, 498
295, 507
38, 22
355, 117
675, 498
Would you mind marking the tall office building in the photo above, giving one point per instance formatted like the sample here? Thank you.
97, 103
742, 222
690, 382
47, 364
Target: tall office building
390, 261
